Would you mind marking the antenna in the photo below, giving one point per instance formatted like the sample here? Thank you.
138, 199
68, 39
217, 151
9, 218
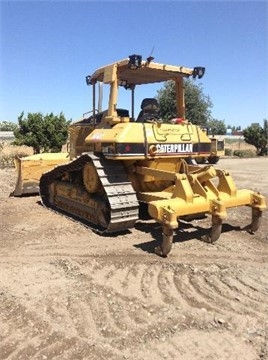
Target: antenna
150, 57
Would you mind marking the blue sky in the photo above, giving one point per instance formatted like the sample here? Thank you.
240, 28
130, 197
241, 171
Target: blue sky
47, 49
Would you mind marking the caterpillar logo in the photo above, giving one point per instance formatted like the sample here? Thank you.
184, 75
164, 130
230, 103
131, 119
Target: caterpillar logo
174, 148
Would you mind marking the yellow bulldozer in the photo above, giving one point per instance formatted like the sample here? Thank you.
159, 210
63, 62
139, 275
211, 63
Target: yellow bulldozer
118, 162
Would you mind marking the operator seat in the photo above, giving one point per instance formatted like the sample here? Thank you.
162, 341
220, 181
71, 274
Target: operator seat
149, 110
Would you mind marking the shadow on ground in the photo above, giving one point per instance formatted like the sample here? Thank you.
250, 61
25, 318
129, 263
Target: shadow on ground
187, 231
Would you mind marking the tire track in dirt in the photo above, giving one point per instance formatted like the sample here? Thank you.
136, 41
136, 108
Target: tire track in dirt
185, 283
67, 294
106, 310
158, 340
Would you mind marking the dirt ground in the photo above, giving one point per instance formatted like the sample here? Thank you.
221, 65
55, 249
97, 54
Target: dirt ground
67, 293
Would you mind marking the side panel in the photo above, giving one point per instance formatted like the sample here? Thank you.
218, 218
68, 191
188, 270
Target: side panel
78, 134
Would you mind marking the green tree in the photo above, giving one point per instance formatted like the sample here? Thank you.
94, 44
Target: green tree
43, 133
257, 136
56, 132
7, 126
216, 127
197, 104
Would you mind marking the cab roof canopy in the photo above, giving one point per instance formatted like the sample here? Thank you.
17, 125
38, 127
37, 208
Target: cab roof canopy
134, 71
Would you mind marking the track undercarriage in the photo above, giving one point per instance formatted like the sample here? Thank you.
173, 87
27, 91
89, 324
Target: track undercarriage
93, 189
98, 191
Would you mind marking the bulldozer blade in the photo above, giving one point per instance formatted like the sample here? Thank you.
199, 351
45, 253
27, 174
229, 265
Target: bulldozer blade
215, 230
30, 168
